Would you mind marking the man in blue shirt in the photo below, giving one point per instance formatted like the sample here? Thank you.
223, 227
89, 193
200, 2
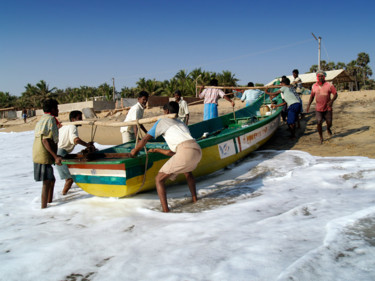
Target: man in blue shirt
251, 95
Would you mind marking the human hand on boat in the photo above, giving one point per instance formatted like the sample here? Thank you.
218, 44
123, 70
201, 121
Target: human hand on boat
133, 153
58, 160
91, 147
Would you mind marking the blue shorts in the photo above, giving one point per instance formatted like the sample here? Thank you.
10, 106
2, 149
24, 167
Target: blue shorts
63, 169
210, 111
293, 111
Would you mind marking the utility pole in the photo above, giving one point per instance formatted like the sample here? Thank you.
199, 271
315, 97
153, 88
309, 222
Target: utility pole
319, 41
114, 98
196, 84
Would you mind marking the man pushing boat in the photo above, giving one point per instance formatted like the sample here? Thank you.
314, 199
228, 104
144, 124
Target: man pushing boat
185, 152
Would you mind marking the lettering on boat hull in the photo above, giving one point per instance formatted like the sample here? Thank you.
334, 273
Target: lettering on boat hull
241, 143
248, 140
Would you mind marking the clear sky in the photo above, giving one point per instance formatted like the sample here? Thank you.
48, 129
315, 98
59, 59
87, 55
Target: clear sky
87, 43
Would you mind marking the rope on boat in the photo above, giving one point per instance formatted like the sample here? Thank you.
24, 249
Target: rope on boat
139, 136
93, 131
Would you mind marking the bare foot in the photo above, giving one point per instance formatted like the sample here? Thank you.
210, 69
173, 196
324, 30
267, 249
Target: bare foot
67, 186
321, 141
329, 132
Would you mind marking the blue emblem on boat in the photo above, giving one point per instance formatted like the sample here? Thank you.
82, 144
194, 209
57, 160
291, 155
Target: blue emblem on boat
226, 149
93, 172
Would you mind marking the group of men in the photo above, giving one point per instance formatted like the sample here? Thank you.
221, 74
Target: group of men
53, 141
324, 92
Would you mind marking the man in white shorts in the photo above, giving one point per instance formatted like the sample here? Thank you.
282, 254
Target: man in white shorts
185, 152
129, 133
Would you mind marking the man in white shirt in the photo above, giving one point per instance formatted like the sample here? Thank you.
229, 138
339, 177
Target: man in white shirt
297, 84
68, 139
129, 133
185, 151
183, 112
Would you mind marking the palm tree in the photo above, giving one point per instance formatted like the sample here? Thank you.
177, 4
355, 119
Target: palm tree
106, 91
362, 61
169, 87
42, 89
330, 66
352, 69
226, 78
340, 65
182, 77
30, 95
141, 84
207, 77
7, 100
127, 92
190, 88
195, 73
153, 87
313, 68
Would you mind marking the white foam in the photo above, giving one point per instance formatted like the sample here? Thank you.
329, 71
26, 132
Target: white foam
275, 216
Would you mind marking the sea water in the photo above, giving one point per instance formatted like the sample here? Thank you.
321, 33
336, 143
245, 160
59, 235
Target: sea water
276, 215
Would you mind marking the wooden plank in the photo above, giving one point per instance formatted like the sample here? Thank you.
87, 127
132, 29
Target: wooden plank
120, 124
239, 88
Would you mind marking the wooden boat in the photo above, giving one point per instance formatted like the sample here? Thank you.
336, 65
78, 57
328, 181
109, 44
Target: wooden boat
224, 140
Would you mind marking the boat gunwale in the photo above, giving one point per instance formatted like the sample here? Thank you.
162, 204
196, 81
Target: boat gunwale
203, 143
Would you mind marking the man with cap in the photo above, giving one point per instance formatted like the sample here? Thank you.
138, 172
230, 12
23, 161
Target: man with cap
322, 91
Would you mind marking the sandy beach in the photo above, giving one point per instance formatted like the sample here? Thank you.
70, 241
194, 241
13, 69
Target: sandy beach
353, 127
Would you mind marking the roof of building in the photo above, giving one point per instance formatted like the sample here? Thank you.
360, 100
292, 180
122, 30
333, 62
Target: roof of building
336, 76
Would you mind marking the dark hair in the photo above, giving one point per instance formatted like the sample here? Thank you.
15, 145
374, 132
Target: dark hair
143, 94
250, 84
285, 80
49, 104
177, 92
214, 82
74, 114
172, 107
295, 71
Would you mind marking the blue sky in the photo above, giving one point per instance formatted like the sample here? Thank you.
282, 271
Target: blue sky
86, 43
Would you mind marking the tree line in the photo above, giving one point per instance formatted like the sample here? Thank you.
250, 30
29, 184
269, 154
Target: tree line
358, 69
34, 95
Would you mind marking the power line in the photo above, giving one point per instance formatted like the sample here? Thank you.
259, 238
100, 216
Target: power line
224, 60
